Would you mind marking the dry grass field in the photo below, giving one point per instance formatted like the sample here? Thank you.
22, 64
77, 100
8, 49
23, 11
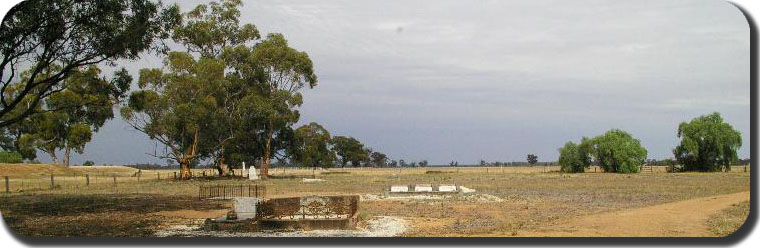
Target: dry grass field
524, 201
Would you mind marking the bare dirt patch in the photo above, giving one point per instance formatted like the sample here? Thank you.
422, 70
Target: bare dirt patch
683, 219
381, 226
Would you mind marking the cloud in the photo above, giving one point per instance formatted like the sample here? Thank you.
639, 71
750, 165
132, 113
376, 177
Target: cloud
465, 80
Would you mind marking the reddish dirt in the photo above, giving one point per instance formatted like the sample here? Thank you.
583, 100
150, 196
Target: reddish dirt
677, 219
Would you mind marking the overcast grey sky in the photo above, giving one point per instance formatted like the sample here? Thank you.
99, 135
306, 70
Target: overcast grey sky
496, 80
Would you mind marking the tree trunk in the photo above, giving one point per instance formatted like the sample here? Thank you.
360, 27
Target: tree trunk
221, 166
267, 152
53, 157
184, 169
66, 155
187, 158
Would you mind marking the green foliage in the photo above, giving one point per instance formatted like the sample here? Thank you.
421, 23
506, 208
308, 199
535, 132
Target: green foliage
614, 151
85, 104
174, 107
10, 157
617, 151
378, 159
51, 39
423, 163
350, 150
312, 146
208, 29
707, 144
572, 159
88, 163
532, 159
10, 139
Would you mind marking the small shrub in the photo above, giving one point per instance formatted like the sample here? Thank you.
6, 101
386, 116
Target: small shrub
88, 163
10, 157
672, 168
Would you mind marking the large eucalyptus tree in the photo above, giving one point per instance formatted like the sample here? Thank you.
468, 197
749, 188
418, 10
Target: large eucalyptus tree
51, 39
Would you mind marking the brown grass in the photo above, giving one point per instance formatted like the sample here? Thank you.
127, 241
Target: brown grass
533, 198
729, 220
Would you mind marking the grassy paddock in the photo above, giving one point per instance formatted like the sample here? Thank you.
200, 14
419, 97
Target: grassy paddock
532, 199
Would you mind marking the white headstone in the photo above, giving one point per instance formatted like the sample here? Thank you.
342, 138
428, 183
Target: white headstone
399, 188
423, 188
244, 169
447, 188
252, 174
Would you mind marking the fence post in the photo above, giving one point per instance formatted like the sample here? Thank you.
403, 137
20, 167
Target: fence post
7, 186
114, 181
139, 173
52, 182
175, 175
87, 180
204, 173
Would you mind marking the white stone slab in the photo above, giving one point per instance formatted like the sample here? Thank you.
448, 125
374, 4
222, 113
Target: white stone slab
245, 207
399, 188
423, 188
466, 190
447, 188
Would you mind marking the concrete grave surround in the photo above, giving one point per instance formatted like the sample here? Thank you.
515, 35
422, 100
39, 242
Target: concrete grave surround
399, 188
245, 207
447, 188
423, 188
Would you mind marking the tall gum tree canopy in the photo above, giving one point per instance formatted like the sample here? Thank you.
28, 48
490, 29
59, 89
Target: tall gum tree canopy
210, 28
350, 150
277, 73
617, 151
207, 31
707, 144
39, 35
84, 105
173, 107
312, 146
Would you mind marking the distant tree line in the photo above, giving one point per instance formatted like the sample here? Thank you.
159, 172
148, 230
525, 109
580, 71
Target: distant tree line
707, 144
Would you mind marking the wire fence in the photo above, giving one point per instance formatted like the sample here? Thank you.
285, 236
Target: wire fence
124, 182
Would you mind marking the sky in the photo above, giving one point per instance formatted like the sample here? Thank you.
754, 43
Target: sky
496, 80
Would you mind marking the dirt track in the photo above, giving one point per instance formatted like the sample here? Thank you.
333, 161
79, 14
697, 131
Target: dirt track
680, 219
